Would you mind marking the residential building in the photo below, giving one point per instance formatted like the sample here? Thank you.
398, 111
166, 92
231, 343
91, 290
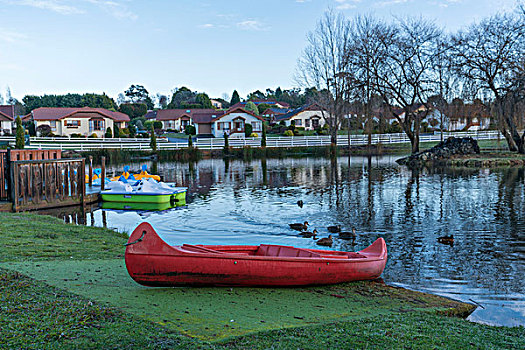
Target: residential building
231, 122
85, 121
7, 117
216, 103
272, 112
309, 117
272, 103
176, 119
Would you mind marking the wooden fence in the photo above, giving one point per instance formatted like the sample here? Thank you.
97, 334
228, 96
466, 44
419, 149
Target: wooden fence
4, 176
37, 184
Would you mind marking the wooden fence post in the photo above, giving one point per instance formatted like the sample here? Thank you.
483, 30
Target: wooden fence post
82, 179
90, 175
103, 175
14, 187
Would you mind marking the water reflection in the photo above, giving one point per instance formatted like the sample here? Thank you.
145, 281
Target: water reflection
236, 202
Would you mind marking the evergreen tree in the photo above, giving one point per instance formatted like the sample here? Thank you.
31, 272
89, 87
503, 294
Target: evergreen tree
116, 132
20, 137
263, 139
108, 133
235, 98
153, 140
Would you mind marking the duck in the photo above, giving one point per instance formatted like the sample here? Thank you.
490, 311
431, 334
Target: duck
446, 239
300, 203
299, 227
334, 229
307, 234
327, 241
348, 235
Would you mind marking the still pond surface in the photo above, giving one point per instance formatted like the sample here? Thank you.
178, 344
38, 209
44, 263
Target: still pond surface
238, 202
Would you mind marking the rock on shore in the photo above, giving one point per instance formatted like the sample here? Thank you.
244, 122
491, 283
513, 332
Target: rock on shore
442, 151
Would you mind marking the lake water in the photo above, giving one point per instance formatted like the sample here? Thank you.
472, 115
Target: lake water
252, 202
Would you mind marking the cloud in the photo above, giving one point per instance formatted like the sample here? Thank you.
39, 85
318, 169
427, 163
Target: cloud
346, 4
115, 8
207, 26
58, 6
251, 24
392, 2
10, 36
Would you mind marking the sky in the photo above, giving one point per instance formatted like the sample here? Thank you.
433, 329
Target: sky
79, 46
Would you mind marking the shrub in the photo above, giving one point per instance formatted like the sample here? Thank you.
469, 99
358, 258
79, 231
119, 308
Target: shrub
93, 136
190, 130
76, 136
254, 134
109, 133
44, 130
288, 133
248, 129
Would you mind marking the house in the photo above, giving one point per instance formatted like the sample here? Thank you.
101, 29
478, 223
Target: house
271, 112
232, 122
7, 117
176, 119
85, 121
310, 117
272, 103
216, 103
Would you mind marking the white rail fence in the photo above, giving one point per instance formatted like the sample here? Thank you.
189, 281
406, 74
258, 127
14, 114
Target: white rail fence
218, 143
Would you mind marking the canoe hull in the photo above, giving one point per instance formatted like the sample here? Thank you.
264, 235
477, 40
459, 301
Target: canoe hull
152, 262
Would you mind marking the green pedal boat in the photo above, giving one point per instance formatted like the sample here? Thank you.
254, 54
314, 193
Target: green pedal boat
145, 191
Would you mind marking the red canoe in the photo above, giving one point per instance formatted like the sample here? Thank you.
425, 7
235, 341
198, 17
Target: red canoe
152, 262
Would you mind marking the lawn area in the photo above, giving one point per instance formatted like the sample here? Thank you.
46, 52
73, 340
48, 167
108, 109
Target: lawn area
66, 286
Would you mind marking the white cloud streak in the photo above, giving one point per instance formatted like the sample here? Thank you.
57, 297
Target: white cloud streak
251, 24
9, 36
58, 6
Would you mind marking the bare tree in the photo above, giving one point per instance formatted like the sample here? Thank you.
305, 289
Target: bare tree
323, 65
490, 56
402, 72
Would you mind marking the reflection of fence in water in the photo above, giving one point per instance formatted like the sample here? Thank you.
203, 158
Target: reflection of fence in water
47, 183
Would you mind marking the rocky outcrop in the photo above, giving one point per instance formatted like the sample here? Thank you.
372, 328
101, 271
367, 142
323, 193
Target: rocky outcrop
443, 151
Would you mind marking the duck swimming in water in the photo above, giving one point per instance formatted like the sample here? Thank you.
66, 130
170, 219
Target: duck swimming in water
300, 203
307, 234
446, 239
334, 229
327, 241
299, 227
348, 235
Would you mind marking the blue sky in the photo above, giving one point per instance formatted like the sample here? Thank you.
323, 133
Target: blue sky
59, 46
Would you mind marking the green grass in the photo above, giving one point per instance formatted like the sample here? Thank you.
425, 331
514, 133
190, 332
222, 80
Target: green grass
65, 286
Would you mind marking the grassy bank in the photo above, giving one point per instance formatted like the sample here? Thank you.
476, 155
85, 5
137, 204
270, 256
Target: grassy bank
65, 286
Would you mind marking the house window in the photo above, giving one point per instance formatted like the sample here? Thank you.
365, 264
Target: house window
256, 126
96, 125
73, 124
307, 123
298, 122
53, 125
315, 123
239, 126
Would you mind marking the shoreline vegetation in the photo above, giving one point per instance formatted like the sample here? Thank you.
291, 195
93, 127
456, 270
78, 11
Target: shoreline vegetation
65, 286
493, 154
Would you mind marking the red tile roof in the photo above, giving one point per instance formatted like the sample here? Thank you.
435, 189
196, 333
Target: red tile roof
238, 109
55, 113
173, 114
7, 113
206, 117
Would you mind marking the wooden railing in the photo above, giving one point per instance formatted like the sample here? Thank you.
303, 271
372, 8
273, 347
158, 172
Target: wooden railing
40, 184
4, 176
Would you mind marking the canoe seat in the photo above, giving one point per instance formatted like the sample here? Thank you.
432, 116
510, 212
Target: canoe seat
199, 249
284, 251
